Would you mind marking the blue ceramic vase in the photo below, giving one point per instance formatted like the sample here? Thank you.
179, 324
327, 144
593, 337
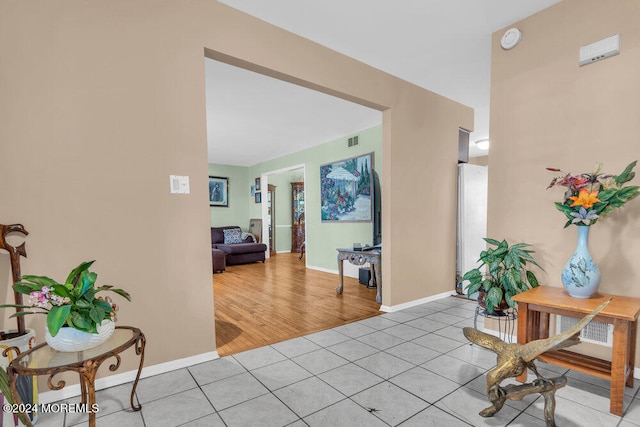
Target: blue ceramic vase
581, 276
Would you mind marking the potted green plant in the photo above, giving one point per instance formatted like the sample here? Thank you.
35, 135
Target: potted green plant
506, 275
75, 315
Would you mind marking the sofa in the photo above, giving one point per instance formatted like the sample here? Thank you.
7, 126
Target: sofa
239, 247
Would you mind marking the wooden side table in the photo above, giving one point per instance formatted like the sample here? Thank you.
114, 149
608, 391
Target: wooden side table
43, 360
534, 308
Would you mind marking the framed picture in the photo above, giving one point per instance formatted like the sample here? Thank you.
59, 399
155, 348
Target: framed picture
218, 191
258, 197
346, 188
257, 184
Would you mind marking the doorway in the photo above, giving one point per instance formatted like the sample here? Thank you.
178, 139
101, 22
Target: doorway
278, 208
332, 117
471, 218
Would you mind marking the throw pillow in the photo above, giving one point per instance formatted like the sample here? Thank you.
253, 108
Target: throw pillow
232, 235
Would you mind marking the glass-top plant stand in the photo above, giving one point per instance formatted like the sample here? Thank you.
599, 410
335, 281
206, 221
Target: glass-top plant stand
43, 360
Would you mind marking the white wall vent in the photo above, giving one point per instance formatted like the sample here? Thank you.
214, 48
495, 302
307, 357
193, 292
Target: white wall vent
600, 50
595, 332
352, 141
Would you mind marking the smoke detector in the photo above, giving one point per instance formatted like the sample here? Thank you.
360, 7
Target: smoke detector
511, 38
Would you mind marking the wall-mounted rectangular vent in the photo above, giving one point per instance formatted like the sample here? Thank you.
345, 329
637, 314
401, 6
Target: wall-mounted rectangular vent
600, 50
352, 141
595, 332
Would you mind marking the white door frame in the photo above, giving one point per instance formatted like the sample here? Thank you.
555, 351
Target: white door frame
264, 183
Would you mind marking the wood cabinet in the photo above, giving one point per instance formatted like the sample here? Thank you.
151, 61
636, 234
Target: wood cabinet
297, 216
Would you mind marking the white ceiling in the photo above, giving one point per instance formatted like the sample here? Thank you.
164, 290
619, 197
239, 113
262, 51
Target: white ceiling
443, 46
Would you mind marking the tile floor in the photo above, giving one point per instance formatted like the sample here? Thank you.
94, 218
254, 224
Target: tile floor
410, 368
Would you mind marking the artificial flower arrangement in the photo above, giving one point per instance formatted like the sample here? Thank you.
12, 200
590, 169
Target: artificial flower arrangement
590, 196
73, 303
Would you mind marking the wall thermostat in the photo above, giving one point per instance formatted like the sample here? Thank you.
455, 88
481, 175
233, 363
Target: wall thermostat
511, 38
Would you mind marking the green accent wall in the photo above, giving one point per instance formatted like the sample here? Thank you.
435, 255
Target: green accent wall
239, 192
322, 238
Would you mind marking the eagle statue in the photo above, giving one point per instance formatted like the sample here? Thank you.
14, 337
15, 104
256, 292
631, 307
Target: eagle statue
513, 359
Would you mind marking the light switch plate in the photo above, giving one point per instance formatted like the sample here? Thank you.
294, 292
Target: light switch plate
179, 184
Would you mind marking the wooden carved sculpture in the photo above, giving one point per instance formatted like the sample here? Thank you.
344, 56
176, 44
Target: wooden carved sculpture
513, 359
15, 253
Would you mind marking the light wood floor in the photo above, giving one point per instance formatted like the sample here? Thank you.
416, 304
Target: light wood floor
260, 304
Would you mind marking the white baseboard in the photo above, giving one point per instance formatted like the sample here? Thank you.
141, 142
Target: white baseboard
391, 309
326, 270
126, 377
350, 270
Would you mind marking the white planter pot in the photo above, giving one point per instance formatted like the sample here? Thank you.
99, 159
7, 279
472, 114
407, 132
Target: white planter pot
27, 386
70, 339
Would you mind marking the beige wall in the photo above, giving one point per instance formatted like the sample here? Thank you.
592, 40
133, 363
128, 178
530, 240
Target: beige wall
480, 161
102, 101
548, 111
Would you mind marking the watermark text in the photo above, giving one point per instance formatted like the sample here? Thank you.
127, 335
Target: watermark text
70, 408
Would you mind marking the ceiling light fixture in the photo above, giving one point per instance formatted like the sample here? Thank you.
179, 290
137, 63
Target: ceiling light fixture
482, 144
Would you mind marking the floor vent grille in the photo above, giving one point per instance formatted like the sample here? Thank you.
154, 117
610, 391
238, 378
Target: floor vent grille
595, 332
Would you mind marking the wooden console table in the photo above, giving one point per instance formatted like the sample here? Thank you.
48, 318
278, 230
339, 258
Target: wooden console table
43, 360
373, 257
534, 308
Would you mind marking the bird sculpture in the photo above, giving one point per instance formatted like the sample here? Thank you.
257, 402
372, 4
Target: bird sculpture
513, 359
